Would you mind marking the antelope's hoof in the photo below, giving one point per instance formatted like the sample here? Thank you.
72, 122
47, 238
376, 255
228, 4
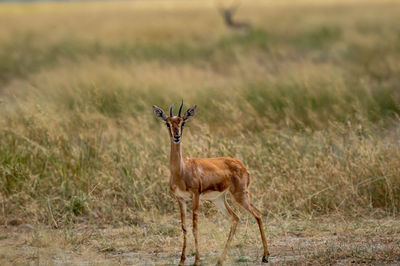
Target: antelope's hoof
264, 260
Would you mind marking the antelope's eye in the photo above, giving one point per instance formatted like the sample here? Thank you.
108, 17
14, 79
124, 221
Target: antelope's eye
183, 123
168, 125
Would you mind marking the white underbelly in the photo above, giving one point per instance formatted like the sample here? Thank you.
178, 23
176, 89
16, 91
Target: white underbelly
186, 195
211, 195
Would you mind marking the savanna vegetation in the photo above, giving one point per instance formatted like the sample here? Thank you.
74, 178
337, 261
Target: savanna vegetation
308, 99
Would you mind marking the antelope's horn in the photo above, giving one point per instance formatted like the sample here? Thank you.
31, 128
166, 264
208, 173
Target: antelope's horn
180, 109
170, 110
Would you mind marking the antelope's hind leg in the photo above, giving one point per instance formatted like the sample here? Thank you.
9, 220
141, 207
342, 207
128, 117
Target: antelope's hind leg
223, 206
244, 200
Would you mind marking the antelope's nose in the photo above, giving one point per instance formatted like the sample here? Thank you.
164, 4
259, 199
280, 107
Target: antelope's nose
177, 139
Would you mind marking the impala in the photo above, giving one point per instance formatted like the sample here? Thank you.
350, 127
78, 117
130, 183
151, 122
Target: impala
206, 178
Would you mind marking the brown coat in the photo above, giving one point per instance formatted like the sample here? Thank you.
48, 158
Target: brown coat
206, 178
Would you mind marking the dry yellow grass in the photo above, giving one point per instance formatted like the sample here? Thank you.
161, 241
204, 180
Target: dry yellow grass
308, 99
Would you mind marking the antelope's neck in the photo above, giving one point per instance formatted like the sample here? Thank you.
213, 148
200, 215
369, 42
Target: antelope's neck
176, 161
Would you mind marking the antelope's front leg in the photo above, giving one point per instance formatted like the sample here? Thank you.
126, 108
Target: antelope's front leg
182, 208
196, 199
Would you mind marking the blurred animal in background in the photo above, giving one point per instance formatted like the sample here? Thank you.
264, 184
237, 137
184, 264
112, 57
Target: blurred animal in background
227, 13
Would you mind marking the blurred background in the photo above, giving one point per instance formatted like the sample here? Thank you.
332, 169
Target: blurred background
305, 93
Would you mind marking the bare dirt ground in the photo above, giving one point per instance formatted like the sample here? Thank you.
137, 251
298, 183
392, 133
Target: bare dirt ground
371, 242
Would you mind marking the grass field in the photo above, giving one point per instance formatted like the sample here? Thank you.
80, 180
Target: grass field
308, 99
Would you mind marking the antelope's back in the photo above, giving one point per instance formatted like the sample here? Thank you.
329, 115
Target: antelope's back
218, 174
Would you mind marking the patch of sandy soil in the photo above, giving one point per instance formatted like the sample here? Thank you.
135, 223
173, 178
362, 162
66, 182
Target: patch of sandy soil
360, 243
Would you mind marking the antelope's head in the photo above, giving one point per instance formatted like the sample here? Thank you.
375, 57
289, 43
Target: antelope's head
174, 123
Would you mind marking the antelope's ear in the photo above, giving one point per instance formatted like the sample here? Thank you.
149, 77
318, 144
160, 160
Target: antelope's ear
159, 113
189, 112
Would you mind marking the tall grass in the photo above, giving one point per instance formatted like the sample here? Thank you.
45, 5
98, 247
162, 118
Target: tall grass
311, 108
